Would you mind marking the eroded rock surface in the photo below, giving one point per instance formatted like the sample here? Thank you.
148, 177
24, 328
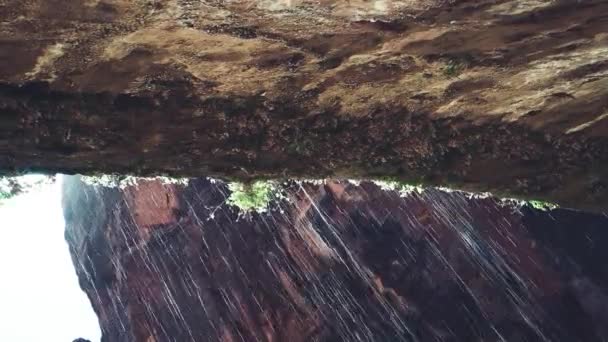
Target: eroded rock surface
334, 262
490, 95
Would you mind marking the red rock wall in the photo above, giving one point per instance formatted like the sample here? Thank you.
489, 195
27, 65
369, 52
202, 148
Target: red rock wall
335, 262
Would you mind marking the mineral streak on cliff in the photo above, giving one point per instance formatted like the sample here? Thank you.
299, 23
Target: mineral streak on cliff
334, 262
507, 96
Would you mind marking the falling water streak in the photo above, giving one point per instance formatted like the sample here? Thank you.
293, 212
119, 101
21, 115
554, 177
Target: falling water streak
490, 261
326, 291
354, 266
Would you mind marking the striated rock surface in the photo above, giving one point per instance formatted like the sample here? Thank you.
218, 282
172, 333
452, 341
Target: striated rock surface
334, 262
507, 96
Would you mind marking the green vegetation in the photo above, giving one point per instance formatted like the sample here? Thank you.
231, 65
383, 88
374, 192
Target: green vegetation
541, 205
453, 68
17, 185
401, 187
4, 195
256, 196
123, 181
253, 197
248, 197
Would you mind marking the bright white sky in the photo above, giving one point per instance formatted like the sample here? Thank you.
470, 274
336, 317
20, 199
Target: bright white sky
40, 300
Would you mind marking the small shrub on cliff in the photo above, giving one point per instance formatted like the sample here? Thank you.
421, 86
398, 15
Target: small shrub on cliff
253, 197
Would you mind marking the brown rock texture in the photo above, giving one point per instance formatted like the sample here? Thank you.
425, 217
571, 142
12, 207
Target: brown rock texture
507, 96
334, 262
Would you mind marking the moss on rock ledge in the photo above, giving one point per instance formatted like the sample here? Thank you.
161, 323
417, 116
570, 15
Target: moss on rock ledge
253, 197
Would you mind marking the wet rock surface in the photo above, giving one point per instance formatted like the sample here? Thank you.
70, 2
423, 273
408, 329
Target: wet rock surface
334, 262
490, 95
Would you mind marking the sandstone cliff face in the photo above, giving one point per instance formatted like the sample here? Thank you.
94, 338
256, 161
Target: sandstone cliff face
334, 262
494, 95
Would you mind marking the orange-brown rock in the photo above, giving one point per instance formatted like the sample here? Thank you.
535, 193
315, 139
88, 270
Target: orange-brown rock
508, 96
332, 263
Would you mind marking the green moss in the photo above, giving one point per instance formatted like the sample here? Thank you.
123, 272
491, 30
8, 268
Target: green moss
253, 197
452, 68
541, 205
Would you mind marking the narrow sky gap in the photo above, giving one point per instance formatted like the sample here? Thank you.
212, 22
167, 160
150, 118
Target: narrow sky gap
39, 293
